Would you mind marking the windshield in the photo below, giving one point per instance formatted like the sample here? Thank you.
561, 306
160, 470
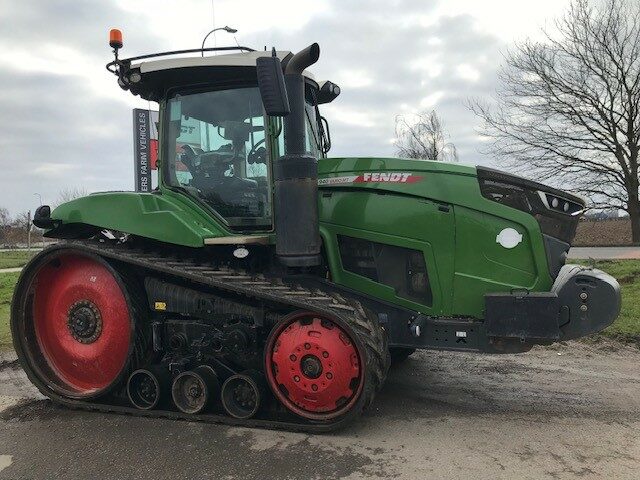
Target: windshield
217, 152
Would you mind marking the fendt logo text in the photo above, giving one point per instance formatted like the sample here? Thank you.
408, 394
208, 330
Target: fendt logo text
374, 177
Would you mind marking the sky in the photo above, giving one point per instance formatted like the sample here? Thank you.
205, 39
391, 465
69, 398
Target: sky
65, 124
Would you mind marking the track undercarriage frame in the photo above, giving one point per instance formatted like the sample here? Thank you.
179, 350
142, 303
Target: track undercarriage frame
198, 340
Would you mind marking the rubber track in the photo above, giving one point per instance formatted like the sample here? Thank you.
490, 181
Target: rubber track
273, 291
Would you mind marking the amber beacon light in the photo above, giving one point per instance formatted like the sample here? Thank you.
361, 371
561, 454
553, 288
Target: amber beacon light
115, 38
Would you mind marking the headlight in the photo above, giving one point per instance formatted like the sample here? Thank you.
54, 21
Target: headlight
560, 204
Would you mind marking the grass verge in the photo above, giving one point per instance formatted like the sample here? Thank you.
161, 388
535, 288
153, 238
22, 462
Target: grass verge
627, 326
7, 284
15, 258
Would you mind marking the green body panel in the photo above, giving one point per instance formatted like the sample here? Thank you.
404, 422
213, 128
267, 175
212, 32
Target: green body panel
444, 215
168, 216
439, 211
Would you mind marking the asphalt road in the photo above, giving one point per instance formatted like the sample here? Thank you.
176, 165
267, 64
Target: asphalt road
565, 412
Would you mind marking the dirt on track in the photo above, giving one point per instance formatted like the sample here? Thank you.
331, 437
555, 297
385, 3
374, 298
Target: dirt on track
564, 412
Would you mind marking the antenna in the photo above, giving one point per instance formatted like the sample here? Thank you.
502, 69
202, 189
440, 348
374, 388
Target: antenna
226, 28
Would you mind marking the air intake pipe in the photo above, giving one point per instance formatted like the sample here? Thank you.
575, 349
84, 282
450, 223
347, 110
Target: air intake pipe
296, 175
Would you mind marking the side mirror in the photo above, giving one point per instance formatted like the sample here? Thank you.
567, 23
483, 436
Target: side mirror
328, 92
271, 84
42, 218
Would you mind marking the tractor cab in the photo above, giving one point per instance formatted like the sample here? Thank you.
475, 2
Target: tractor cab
217, 142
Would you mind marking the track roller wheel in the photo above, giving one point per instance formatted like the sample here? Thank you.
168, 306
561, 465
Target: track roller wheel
194, 390
242, 394
73, 324
321, 369
145, 388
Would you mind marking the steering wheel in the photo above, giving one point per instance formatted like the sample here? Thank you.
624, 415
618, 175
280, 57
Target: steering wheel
257, 155
189, 154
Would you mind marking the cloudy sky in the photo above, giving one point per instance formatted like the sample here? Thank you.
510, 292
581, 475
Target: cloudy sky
64, 123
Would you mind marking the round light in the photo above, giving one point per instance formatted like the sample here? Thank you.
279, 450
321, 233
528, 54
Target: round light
336, 90
566, 206
555, 202
135, 77
509, 238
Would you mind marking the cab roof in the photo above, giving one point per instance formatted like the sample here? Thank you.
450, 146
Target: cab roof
155, 76
243, 59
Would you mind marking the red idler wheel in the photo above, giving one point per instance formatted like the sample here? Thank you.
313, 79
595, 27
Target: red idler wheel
313, 366
82, 325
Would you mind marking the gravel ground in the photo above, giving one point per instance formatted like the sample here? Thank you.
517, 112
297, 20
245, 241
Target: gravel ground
564, 412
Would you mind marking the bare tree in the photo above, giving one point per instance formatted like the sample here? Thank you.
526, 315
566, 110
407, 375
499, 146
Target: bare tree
5, 223
568, 108
422, 136
69, 194
23, 221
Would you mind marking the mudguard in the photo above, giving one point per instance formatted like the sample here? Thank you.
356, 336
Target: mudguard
167, 217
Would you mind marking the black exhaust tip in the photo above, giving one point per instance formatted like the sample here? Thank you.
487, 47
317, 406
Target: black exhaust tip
303, 59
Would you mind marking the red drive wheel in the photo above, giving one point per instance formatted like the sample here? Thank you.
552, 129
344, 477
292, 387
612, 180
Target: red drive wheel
81, 324
314, 367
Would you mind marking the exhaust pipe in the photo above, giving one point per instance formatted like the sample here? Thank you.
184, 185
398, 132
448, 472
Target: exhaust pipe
303, 59
296, 175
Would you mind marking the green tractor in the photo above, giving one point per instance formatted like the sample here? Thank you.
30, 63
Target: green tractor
262, 283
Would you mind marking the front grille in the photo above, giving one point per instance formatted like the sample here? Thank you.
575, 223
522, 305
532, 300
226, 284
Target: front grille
557, 212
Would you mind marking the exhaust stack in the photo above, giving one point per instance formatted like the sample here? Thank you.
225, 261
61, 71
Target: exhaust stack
296, 175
